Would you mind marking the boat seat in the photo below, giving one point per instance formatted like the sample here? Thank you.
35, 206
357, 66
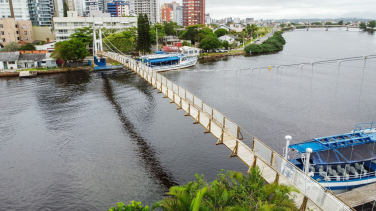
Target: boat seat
354, 172
341, 170
360, 167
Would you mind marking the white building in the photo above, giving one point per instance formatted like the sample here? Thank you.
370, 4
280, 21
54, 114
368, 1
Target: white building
179, 16
207, 19
237, 20
20, 8
236, 27
222, 26
150, 7
65, 26
9, 60
230, 39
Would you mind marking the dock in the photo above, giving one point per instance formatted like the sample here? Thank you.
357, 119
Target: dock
273, 166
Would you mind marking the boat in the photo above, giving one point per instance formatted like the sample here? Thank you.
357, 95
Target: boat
101, 64
340, 162
27, 74
162, 61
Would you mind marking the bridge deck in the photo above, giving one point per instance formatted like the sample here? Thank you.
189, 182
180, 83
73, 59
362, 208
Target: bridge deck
359, 196
274, 167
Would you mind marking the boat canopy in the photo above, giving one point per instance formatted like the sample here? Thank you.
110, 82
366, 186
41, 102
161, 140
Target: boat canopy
354, 154
160, 52
335, 142
174, 58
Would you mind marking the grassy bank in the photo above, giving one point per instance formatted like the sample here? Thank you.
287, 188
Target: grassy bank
272, 44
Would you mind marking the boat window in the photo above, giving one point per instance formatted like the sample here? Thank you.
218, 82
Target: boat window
184, 59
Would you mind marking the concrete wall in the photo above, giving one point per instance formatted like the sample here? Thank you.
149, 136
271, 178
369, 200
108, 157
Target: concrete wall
42, 33
9, 30
25, 30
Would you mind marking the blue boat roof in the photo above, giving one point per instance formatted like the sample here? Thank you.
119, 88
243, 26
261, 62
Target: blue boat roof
173, 58
160, 52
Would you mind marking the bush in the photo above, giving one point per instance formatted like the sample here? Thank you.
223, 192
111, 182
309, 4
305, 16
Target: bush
274, 43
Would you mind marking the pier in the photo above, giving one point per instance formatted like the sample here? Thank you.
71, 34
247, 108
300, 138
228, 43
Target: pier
273, 166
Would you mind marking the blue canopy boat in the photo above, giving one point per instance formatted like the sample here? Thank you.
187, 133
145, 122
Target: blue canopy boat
162, 61
340, 162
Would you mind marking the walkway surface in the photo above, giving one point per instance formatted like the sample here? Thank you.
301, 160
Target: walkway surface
273, 166
359, 196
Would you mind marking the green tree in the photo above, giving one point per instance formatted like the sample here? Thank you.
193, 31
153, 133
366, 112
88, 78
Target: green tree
153, 33
65, 7
169, 28
124, 41
372, 24
221, 32
328, 23
226, 44
363, 26
340, 22
283, 25
13, 46
210, 42
191, 33
252, 29
70, 50
143, 31
85, 35
28, 47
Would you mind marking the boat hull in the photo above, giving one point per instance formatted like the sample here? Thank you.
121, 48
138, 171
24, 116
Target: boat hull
175, 67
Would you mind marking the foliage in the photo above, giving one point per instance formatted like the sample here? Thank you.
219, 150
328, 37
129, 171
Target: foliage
85, 35
13, 46
169, 28
251, 29
153, 33
124, 41
328, 23
191, 33
363, 26
283, 25
210, 42
372, 24
28, 47
185, 43
221, 32
316, 23
70, 50
65, 8
143, 31
134, 206
340, 22
226, 44
274, 43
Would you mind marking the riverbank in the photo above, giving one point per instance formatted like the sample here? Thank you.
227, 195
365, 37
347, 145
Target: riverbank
52, 71
215, 56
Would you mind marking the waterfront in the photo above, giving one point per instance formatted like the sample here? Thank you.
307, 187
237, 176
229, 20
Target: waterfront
86, 141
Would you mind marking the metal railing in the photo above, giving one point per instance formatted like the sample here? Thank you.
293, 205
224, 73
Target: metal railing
218, 124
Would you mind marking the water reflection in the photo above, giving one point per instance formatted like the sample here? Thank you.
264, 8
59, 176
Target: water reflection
146, 152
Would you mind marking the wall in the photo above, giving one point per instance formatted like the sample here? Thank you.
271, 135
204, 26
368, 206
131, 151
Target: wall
25, 27
42, 33
14, 66
9, 30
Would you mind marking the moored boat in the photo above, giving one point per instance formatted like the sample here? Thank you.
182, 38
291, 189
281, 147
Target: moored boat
340, 162
165, 62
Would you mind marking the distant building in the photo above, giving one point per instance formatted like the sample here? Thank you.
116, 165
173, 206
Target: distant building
71, 5
179, 15
230, 39
66, 26
228, 20
118, 8
208, 19
41, 14
237, 20
222, 26
149, 7
97, 13
169, 11
21, 10
15, 31
193, 12
236, 27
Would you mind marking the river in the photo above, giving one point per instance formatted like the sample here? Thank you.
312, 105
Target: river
85, 141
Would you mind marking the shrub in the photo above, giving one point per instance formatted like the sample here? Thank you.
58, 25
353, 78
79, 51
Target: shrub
274, 43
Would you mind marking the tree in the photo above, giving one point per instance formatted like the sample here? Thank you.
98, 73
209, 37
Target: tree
153, 33
221, 32
13, 46
210, 42
28, 47
69, 50
328, 23
124, 41
363, 26
191, 33
226, 44
283, 25
84, 35
169, 28
143, 31
372, 24
340, 22
65, 7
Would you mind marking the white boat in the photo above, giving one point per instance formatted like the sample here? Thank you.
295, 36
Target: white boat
165, 62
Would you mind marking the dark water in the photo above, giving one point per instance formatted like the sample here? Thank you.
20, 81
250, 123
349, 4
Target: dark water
83, 141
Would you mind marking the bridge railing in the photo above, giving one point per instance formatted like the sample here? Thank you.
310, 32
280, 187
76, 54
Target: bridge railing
217, 124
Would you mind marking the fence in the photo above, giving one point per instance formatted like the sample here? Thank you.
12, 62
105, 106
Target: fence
219, 125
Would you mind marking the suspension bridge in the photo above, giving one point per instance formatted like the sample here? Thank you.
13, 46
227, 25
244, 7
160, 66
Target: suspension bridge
274, 167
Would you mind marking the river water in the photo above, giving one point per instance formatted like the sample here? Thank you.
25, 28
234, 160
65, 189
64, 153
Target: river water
85, 141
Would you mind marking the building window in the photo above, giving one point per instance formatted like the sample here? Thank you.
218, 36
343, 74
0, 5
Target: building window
18, 38
24, 26
17, 32
3, 39
13, 62
1, 25
25, 32
26, 38
2, 33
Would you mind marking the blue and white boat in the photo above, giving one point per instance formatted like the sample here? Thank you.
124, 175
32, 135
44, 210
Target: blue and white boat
164, 62
341, 162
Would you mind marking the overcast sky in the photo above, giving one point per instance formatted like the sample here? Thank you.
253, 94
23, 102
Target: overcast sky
280, 9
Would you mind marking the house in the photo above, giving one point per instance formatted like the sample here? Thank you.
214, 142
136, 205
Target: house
222, 26
9, 60
237, 27
230, 39
30, 60
48, 61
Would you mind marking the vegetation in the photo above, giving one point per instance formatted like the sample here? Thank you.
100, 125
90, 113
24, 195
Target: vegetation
221, 32
363, 26
70, 50
85, 35
340, 22
230, 191
124, 41
28, 47
210, 42
143, 31
65, 8
274, 43
372, 24
13, 46
169, 28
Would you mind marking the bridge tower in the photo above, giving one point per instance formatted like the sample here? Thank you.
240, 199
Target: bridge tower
327, 28
97, 43
307, 28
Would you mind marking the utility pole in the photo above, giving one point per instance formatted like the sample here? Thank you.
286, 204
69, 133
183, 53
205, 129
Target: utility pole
243, 40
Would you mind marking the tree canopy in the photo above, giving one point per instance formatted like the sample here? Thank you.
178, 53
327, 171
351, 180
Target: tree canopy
28, 47
372, 24
210, 43
363, 25
169, 28
13, 46
153, 33
84, 35
70, 50
124, 41
143, 31
274, 43
340, 22
221, 32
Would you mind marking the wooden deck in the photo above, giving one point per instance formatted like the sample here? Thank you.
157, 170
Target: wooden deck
359, 196
228, 134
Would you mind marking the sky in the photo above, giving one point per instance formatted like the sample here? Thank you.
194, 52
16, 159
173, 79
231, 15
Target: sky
289, 9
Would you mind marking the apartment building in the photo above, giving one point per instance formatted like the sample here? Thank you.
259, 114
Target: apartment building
149, 7
41, 12
71, 5
193, 12
20, 8
169, 11
65, 26
15, 31
179, 15
118, 8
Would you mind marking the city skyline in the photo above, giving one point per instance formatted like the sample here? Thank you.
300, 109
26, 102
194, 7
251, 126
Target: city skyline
289, 9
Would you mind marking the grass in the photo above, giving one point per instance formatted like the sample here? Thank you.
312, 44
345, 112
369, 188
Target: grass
232, 52
38, 69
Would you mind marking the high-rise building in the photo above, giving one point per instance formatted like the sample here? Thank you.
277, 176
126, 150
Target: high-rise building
41, 12
90, 5
14, 31
249, 20
179, 15
70, 4
207, 19
237, 20
118, 8
58, 8
149, 7
20, 8
193, 12
79, 7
